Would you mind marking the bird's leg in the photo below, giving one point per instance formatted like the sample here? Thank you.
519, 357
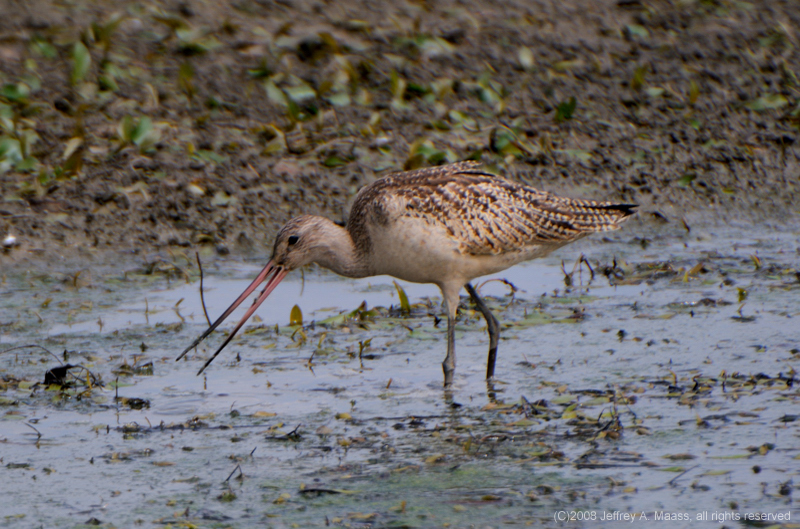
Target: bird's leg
492, 326
450, 293
449, 364
491, 392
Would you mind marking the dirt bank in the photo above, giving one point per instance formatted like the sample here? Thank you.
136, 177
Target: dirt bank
192, 124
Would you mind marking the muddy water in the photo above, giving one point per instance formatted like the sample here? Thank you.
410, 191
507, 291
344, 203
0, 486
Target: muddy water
664, 386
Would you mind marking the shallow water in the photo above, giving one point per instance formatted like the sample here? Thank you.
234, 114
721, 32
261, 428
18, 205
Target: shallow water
670, 392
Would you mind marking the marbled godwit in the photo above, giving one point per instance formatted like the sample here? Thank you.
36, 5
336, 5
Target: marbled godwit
444, 225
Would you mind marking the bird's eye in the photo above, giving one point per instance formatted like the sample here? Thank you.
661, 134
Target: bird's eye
292, 240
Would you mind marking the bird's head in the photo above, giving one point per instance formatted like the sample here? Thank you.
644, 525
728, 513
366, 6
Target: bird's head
303, 240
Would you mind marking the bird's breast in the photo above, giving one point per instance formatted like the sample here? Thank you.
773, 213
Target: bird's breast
413, 250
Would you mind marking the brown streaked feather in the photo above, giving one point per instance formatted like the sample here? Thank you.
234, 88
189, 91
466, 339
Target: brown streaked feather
484, 213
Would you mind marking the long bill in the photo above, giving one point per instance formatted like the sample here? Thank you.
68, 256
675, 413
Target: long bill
278, 274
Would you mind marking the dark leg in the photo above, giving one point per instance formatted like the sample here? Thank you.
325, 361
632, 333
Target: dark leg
449, 364
491, 392
492, 326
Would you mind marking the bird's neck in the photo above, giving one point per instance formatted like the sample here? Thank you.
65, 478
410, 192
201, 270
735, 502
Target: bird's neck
337, 252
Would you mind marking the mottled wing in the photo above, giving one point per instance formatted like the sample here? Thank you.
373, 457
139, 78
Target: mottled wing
381, 201
486, 214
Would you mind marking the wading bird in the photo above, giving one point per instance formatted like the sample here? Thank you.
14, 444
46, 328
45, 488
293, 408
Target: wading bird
444, 225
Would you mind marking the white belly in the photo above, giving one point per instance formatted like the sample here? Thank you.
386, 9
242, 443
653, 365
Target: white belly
412, 250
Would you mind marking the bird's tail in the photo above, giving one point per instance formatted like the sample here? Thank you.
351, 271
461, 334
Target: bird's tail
591, 215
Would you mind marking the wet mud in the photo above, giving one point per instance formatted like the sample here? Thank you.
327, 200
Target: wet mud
662, 379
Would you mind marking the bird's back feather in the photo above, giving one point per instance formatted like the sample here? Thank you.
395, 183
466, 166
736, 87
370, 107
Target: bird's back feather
484, 213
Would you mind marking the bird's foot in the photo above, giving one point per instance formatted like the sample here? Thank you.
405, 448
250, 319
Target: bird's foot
491, 392
448, 376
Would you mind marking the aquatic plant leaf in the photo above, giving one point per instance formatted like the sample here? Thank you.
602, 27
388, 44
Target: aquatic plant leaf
680, 457
141, 130
334, 161
125, 129
694, 92
185, 76
597, 401
405, 307
741, 294
44, 48
580, 154
686, 179
27, 164
565, 110
361, 314
672, 469
296, 316
716, 473
563, 66
10, 153
72, 145
339, 99
768, 102
563, 399
637, 83
460, 118
398, 85
81, 61
144, 135
300, 93
275, 94
635, 30
15, 92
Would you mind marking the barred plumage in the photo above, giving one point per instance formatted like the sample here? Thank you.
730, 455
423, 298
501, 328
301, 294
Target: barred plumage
485, 213
444, 225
